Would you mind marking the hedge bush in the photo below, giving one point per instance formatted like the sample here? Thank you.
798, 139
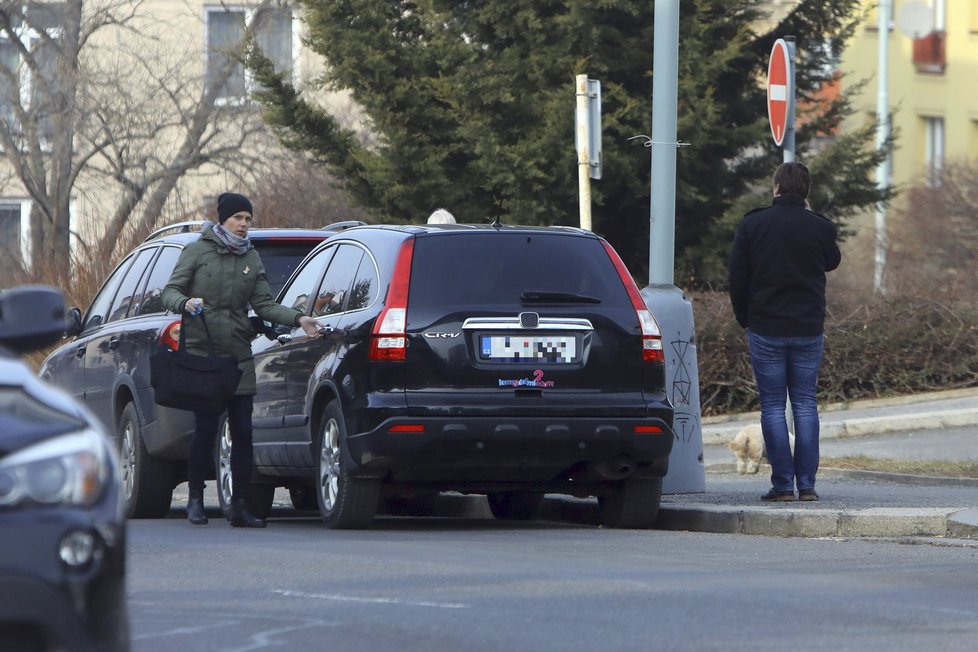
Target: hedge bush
877, 347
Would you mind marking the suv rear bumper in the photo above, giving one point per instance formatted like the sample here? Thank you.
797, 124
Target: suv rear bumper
512, 449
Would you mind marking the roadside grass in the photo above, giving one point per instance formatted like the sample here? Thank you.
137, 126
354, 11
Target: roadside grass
937, 468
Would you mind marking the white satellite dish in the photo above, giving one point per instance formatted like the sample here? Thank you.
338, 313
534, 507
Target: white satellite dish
915, 19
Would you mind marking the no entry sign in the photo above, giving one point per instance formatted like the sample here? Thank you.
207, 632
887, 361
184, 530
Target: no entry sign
779, 90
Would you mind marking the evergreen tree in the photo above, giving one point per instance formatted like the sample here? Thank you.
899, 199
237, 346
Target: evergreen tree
471, 108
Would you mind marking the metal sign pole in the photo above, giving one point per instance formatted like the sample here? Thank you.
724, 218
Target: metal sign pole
789, 134
583, 159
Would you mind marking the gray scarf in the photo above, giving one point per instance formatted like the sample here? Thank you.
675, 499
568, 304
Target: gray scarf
235, 244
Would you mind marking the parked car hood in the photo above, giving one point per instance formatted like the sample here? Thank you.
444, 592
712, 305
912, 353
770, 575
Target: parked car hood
30, 409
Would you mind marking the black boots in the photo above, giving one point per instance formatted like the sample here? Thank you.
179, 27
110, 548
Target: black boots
239, 516
195, 508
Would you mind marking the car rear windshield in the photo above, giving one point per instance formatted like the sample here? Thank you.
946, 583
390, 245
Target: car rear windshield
281, 257
512, 268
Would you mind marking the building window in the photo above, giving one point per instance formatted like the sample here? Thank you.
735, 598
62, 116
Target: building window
934, 149
36, 28
929, 51
13, 228
225, 33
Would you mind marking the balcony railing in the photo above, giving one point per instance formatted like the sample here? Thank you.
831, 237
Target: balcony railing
928, 53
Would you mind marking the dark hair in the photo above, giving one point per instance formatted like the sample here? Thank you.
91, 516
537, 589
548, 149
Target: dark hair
792, 179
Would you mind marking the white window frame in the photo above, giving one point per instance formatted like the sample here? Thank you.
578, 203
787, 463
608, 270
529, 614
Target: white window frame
30, 37
249, 15
25, 225
934, 148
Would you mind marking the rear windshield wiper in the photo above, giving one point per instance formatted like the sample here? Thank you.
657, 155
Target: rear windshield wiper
533, 296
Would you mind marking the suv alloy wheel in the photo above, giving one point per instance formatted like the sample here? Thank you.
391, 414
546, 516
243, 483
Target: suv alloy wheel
345, 502
147, 480
260, 496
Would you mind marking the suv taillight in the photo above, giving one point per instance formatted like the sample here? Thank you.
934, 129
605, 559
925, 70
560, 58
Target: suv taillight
170, 335
389, 337
651, 337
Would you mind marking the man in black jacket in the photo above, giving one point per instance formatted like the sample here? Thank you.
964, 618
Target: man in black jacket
778, 262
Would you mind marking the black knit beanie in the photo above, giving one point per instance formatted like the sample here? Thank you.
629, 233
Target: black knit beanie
229, 203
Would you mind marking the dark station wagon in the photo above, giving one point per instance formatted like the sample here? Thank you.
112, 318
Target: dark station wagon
106, 363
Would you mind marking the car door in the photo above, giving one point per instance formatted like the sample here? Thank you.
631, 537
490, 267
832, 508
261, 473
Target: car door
108, 350
140, 337
271, 360
312, 360
66, 366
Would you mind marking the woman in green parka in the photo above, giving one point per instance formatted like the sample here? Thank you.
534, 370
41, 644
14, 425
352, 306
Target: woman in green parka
222, 274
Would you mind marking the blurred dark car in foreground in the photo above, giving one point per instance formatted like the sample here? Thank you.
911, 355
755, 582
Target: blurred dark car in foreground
106, 363
62, 527
486, 359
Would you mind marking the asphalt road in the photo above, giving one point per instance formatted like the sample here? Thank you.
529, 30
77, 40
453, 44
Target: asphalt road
442, 584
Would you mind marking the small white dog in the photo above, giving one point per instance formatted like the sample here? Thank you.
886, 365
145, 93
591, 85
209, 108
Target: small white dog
748, 446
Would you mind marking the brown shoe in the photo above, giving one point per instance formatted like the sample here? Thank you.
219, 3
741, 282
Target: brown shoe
808, 495
779, 496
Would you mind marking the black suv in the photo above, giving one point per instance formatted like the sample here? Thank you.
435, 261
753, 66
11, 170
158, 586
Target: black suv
106, 365
487, 359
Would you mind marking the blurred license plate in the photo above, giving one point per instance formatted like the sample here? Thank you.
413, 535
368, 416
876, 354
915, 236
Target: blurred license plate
555, 349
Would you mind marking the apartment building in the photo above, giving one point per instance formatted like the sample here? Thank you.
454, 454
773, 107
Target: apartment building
932, 60
140, 82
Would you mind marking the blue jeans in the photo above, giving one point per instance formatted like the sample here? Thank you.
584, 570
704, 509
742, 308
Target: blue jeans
787, 367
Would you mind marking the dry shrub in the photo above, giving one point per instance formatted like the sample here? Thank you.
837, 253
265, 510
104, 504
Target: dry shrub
726, 379
874, 347
301, 194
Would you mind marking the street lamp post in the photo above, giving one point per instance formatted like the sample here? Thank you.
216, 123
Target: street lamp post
882, 135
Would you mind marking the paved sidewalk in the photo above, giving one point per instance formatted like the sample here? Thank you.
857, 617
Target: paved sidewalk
937, 426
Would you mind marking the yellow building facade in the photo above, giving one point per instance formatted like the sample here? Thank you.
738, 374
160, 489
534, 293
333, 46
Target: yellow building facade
932, 96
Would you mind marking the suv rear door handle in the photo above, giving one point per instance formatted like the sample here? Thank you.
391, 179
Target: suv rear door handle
80, 351
113, 344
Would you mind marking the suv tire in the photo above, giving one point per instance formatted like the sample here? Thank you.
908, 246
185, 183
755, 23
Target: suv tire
260, 496
514, 505
147, 481
345, 502
633, 504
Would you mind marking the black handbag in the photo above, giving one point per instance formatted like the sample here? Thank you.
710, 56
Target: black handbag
199, 383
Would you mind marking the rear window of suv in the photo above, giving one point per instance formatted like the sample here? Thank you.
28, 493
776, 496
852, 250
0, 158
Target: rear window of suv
498, 268
280, 258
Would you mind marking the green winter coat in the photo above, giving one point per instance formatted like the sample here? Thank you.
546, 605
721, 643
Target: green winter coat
228, 283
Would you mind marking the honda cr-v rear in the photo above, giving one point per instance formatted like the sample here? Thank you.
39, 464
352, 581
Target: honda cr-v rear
507, 361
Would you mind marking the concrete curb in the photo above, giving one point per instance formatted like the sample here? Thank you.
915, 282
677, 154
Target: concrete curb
963, 524
777, 520
722, 433
897, 478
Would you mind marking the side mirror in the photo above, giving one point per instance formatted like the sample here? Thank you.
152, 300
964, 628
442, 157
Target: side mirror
31, 317
73, 322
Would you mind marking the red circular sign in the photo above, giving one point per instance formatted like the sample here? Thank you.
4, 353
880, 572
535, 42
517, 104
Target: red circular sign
779, 91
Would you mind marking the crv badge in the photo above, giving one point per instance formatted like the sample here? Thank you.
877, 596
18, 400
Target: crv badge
440, 335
